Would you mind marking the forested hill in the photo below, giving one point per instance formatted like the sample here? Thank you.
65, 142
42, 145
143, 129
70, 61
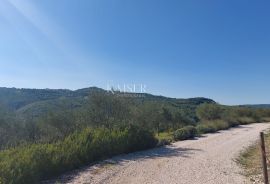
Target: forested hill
37, 101
15, 98
44, 115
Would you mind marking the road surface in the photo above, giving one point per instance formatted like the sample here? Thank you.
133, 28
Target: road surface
206, 160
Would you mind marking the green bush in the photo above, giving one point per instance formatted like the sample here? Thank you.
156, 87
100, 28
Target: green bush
185, 133
246, 120
265, 119
220, 125
203, 129
212, 126
33, 163
209, 111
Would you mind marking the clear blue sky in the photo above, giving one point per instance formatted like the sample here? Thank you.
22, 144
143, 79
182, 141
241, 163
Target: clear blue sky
179, 48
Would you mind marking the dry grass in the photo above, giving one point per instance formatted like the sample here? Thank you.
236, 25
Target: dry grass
165, 135
250, 160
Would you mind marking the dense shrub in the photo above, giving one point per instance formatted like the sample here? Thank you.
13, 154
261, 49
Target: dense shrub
215, 117
30, 164
220, 125
185, 133
230, 115
209, 111
246, 120
212, 126
265, 119
203, 129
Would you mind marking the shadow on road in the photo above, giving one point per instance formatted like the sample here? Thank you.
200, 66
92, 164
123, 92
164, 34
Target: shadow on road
161, 152
166, 151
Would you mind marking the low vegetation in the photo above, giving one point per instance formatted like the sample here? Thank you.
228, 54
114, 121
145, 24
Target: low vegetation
32, 163
43, 116
250, 160
56, 131
186, 132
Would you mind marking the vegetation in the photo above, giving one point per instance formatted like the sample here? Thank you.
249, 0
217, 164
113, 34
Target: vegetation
44, 133
32, 163
250, 160
45, 116
164, 138
185, 133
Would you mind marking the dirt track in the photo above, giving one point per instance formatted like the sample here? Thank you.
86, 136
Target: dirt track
207, 160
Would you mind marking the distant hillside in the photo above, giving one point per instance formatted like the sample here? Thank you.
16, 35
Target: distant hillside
258, 106
15, 98
34, 102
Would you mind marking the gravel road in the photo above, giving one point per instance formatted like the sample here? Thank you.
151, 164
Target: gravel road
206, 160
